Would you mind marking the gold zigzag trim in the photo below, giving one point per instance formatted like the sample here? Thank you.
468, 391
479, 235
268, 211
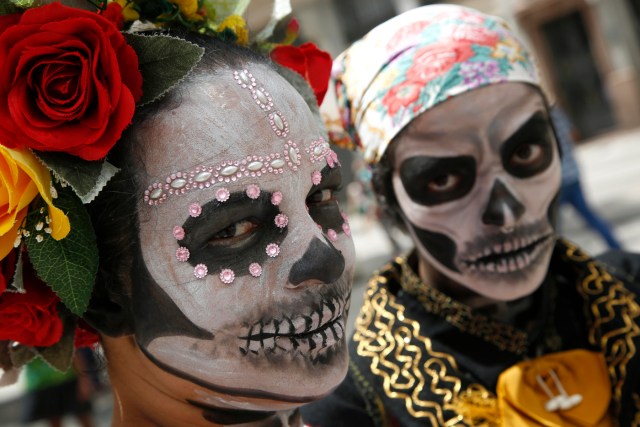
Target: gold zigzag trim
396, 358
616, 302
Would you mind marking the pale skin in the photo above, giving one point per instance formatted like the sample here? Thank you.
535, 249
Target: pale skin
486, 205
210, 373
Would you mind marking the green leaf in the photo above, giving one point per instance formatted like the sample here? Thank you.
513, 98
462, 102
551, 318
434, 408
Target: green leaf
85, 177
164, 62
69, 265
8, 9
59, 355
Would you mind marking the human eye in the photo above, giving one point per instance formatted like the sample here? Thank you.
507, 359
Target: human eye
431, 181
529, 158
444, 183
235, 233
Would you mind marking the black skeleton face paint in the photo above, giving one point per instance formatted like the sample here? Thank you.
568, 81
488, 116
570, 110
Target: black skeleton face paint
271, 337
475, 178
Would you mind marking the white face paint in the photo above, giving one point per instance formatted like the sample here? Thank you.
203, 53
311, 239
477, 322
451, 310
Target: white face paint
475, 177
262, 330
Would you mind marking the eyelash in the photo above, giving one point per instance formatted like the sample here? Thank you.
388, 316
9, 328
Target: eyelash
228, 234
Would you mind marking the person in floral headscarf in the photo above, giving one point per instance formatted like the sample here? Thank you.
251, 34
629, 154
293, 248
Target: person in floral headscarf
492, 319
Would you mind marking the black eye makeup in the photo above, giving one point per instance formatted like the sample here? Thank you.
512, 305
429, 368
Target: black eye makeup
431, 181
233, 234
529, 151
322, 203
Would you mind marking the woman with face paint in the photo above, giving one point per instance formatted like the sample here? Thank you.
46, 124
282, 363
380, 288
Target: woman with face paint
224, 262
492, 319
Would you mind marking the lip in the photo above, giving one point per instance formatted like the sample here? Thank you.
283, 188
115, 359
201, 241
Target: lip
310, 334
509, 256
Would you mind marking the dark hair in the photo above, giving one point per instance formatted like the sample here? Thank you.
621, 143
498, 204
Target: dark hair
113, 213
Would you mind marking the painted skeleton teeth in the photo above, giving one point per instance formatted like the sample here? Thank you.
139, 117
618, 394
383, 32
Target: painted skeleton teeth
307, 334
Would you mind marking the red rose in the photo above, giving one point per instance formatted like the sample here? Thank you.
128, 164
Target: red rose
30, 318
85, 335
68, 82
113, 13
310, 62
435, 59
7, 269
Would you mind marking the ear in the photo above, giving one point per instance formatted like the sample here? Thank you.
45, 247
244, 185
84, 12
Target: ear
110, 308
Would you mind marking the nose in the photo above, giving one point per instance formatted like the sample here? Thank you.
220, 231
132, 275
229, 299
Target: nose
503, 209
321, 262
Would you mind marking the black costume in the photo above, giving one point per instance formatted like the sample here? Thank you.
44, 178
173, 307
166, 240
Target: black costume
417, 354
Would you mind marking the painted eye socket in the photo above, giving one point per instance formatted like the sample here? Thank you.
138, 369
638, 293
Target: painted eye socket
321, 196
444, 183
235, 233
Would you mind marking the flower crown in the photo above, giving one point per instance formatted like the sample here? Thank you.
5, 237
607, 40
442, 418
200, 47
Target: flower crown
70, 83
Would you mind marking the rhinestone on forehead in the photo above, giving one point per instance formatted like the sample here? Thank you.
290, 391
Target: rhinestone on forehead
279, 124
246, 80
227, 276
203, 177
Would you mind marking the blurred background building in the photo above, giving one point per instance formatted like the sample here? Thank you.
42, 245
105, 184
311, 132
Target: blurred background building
589, 50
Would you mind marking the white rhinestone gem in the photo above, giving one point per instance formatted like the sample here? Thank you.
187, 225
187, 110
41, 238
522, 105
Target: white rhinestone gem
293, 155
156, 194
202, 176
278, 163
255, 166
178, 183
229, 170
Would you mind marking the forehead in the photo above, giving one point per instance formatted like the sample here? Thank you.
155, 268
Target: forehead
214, 118
479, 119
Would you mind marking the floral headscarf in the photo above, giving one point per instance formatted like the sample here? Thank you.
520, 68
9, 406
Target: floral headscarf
415, 61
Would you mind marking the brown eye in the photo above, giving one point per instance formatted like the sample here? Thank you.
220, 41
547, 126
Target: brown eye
234, 232
527, 155
443, 183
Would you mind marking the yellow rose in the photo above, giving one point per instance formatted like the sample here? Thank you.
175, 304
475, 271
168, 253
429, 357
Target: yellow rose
188, 8
238, 26
22, 178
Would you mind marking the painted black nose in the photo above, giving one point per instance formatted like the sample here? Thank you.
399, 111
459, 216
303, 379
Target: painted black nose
321, 261
494, 213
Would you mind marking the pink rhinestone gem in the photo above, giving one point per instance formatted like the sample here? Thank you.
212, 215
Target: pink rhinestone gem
255, 269
276, 198
316, 177
222, 194
253, 191
200, 271
178, 232
281, 220
273, 250
345, 217
227, 276
182, 254
333, 236
195, 210
346, 229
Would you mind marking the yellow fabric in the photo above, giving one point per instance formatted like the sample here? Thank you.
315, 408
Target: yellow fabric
22, 178
521, 399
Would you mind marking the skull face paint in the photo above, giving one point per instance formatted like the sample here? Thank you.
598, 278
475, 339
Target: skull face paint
475, 178
258, 339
